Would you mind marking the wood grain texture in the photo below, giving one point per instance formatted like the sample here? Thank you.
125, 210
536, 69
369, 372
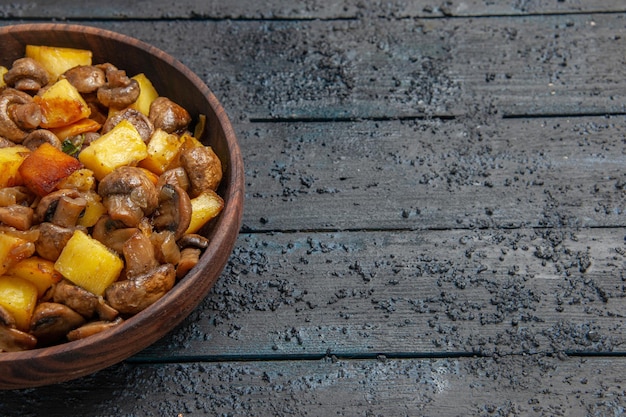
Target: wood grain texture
334, 70
434, 213
465, 173
539, 386
301, 9
429, 293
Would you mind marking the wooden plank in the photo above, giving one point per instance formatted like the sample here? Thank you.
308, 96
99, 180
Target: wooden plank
380, 68
277, 9
529, 386
465, 173
417, 293
535, 65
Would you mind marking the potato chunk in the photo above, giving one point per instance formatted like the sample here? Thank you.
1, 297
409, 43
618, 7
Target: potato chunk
121, 146
12, 250
147, 94
10, 160
37, 270
45, 167
57, 60
61, 105
88, 263
163, 149
203, 208
19, 297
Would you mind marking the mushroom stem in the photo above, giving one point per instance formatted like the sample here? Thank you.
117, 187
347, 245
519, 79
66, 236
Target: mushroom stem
17, 216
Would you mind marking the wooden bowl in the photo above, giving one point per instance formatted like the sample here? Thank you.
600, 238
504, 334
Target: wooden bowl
172, 79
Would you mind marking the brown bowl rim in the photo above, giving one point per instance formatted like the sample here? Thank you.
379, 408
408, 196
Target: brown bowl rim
21, 370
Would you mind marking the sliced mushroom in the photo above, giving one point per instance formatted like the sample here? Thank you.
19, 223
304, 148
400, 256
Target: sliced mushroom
13, 340
189, 257
26, 74
18, 114
128, 194
203, 167
193, 240
139, 255
51, 322
168, 116
175, 176
166, 248
39, 136
174, 210
62, 207
51, 240
85, 303
120, 91
136, 118
85, 78
16, 195
92, 328
6, 318
131, 296
5, 143
112, 233
30, 235
20, 217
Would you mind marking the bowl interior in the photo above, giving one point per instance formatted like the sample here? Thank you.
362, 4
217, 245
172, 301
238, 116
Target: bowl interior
173, 80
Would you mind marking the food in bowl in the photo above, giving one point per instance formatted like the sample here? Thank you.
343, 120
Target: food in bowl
103, 189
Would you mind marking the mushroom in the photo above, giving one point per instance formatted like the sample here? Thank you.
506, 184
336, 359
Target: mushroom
133, 295
175, 176
52, 240
6, 318
51, 322
26, 74
5, 143
166, 248
128, 195
39, 136
193, 240
139, 255
18, 114
18, 216
92, 328
191, 246
174, 210
189, 257
16, 195
168, 116
85, 303
85, 78
62, 207
139, 120
119, 91
203, 167
112, 233
13, 340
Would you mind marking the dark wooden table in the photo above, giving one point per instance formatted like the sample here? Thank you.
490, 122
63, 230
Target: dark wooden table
434, 222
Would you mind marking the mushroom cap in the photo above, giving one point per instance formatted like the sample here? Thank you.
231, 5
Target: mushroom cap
168, 116
51, 322
134, 295
10, 128
203, 167
174, 210
26, 74
85, 78
13, 340
139, 120
128, 194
